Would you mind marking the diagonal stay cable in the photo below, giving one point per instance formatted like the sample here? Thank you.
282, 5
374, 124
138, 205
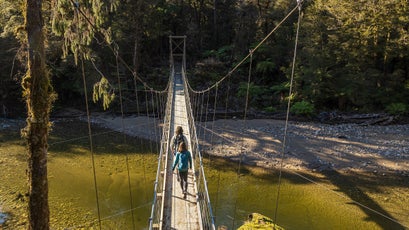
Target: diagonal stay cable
244, 129
82, 57
299, 2
97, 134
108, 217
90, 141
123, 131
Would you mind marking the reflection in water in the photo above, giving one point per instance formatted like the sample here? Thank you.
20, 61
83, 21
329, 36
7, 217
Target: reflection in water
3, 217
73, 197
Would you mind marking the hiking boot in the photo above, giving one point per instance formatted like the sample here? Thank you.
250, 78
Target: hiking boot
184, 196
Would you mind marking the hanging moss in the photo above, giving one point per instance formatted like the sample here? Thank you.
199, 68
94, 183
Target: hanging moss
103, 91
79, 23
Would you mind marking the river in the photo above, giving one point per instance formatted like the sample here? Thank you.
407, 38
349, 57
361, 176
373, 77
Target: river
126, 204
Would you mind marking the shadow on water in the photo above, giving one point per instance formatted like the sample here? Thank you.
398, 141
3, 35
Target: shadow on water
349, 186
64, 138
303, 204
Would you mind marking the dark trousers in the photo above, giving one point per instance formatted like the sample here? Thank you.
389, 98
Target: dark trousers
183, 180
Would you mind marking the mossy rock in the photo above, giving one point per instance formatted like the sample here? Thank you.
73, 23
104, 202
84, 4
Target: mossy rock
258, 221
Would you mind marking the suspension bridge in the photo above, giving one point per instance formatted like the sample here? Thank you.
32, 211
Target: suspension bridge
169, 209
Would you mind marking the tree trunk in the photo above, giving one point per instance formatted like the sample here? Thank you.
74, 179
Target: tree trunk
39, 97
215, 27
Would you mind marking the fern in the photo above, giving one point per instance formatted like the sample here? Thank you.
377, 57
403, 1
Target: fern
397, 109
265, 67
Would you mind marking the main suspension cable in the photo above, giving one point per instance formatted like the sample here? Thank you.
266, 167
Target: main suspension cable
248, 55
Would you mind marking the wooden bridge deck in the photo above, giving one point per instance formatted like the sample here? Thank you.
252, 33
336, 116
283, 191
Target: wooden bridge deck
180, 213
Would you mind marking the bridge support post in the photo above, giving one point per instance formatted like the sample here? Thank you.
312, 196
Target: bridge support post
177, 46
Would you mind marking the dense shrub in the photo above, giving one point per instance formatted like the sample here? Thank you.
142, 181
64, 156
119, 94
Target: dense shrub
303, 108
397, 109
270, 109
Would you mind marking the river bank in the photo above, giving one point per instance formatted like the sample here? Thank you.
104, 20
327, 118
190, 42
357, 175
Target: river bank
365, 163
379, 150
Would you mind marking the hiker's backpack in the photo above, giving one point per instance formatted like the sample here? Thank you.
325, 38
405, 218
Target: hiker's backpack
178, 139
183, 161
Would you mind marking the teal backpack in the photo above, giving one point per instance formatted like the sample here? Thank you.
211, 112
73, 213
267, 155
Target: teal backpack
184, 161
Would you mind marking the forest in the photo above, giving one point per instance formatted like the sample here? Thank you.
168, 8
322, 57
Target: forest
317, 57
352, 56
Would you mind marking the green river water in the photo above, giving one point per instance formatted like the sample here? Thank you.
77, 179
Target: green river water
73, 204
302, 205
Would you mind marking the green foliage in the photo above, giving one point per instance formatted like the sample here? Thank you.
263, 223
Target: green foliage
302, 108
281, 88
351, 56
253, 90
258, 221
222, 54
270, 109
354, 50
11, 19
207, 72
103, 91
79, 25
265, 67
397, 109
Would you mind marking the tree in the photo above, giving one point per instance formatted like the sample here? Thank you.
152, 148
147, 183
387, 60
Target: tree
39, 96
81, 24
353, 53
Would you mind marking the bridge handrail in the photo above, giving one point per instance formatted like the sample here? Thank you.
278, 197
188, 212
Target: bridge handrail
159, 188
207, 218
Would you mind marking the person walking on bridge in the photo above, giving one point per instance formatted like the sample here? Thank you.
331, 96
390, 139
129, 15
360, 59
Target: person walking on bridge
175, 142
184, 161
177, 139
